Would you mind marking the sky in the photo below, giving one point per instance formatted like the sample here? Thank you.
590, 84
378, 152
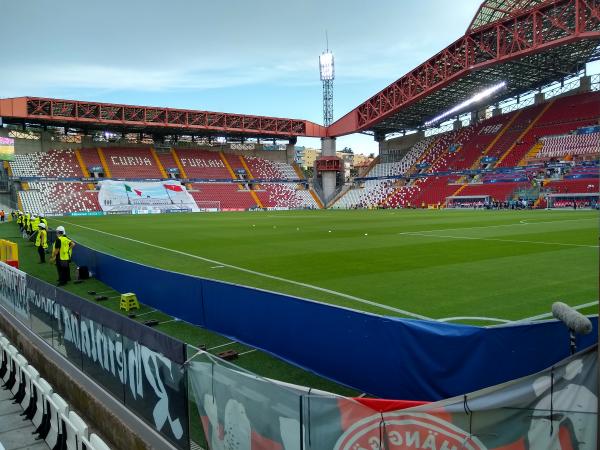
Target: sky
250, 57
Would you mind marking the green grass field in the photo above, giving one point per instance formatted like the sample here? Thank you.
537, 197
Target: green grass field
437, 264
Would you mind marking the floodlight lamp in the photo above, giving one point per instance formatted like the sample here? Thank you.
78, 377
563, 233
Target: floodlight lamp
475, 99
326, 66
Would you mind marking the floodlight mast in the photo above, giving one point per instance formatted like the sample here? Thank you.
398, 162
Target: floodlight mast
327, 72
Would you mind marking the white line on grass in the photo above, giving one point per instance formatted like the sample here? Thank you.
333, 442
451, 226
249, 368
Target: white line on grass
260, 274
497, 226
222, 345
245, 353
518, 241
549, 314
479, 319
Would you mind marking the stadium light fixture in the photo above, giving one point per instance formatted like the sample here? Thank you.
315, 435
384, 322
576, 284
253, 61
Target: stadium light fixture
475, 99
326, 66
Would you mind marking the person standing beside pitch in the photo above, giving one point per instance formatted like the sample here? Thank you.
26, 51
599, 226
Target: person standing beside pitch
63, 248
41, 242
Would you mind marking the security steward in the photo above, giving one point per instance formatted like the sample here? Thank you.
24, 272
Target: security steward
44, 221
20, 220
63, 248
27, 222
35, 221
41, 242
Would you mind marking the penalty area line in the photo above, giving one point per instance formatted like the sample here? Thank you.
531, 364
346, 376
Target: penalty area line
260, 274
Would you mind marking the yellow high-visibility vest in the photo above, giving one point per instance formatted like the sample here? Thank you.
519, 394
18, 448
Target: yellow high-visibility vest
65, 250
41, 240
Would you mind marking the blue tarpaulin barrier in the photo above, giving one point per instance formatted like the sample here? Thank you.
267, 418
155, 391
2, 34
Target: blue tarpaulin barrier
383, 356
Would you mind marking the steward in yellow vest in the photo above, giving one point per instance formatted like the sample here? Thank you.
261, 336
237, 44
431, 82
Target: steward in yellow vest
41, 242
63, 248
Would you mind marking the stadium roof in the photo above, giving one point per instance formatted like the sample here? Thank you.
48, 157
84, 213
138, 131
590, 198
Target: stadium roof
525, 43
165, 121
493, 10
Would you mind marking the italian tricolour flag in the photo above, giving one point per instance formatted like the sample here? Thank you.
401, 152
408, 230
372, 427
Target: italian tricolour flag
130, 189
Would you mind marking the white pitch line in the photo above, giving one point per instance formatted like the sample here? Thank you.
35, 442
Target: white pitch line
497, 226
482, 319
518, 241
222, 345
245, 353
549, 314
260, 274
168, 321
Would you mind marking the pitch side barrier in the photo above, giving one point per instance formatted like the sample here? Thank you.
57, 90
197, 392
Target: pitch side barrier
141, 367
383, 356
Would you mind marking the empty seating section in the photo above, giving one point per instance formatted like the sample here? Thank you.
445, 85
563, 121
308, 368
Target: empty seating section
372, 193
166, 159
203, 164
511, 140
91, 158
576, 186
407, 161
563, 116
497, 191
57, 198
54, 163
573, 144
265, 169
285, 195
131, 163
235, 163
228, 194
33, 416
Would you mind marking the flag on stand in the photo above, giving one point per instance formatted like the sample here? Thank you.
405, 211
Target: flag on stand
173, 187
129, 189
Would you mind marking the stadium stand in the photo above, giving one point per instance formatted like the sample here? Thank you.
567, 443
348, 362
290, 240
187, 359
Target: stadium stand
230, 196
167, 160
496, 191
56, 198
131, 163
33, 416
55, 163
265, 169
574, 144
285, 195
504, 139
91, 158
203, 164
573, 186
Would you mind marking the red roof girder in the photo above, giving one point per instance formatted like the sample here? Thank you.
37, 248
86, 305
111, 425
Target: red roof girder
555, 22
86, 114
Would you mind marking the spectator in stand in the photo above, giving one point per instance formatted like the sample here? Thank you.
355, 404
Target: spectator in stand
41, 242
63, 249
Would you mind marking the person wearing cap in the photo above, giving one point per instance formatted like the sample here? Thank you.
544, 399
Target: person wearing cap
41, 242
63, 248
44, 221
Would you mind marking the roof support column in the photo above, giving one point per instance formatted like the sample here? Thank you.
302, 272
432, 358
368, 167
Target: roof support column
585, 84
328, 178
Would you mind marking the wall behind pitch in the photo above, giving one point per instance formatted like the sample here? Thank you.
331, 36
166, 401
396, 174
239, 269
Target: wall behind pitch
383, 356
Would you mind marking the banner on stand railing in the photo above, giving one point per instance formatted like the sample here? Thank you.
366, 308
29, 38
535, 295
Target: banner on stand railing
554, 409
139, 366
131, 196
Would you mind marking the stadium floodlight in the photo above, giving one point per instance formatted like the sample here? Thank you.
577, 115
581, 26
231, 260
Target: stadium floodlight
475, 99
326, 66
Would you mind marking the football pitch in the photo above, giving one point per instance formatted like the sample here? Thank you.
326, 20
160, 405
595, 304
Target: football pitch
480, 267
